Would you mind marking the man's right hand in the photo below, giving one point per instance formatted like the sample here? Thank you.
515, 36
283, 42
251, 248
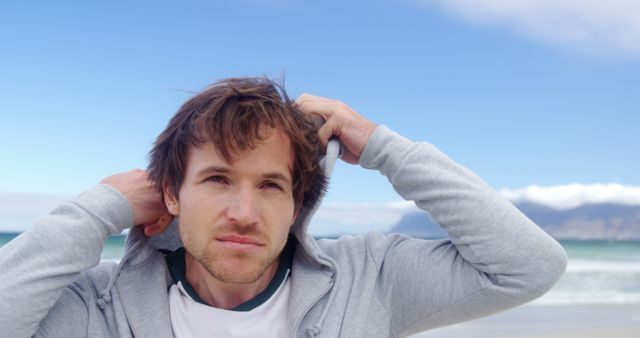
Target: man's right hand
148, 207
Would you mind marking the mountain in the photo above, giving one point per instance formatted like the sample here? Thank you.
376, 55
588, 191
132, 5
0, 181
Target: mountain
418, 224
589, 221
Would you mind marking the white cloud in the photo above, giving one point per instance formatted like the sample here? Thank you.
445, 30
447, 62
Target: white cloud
609, 27
573, 195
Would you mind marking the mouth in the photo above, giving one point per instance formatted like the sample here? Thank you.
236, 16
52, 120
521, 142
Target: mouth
239, 242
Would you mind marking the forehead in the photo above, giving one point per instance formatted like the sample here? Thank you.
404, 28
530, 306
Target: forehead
273, 153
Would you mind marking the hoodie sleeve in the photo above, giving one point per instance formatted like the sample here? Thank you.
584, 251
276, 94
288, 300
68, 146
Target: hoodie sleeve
39, 264
495, 257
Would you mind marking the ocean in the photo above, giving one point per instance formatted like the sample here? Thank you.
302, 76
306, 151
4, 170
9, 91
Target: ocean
599, 272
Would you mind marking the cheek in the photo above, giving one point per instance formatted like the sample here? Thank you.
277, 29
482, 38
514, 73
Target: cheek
286, 208
285, 217
194, 213
195, 201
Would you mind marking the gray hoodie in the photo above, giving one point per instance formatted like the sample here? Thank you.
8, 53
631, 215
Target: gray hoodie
54, 285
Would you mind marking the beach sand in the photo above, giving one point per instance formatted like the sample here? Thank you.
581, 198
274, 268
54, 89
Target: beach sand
549, 321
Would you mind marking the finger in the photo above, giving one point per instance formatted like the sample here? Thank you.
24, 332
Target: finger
151, 230
323, 109
349, 157
165, 220
326, 131
318, 121
329, 129
312, 98
309, 99
154, 228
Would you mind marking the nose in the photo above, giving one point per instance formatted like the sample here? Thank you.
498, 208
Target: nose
242, 208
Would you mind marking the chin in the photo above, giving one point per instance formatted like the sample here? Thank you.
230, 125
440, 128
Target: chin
238, 272
242, 279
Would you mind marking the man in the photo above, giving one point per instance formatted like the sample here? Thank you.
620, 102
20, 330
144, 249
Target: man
243, 168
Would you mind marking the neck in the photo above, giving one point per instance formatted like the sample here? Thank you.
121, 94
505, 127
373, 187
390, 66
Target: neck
221, 294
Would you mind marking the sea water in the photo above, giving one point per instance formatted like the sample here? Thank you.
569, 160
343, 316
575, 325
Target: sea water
111, 251
598, 272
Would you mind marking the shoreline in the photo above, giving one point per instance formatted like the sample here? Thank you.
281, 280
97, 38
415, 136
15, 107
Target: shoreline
549, 321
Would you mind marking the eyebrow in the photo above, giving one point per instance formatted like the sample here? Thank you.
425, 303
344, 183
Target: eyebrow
225, 170
213, 169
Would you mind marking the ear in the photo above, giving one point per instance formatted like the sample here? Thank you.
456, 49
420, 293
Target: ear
170, 199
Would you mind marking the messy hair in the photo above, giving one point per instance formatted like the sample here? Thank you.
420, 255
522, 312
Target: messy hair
232, 114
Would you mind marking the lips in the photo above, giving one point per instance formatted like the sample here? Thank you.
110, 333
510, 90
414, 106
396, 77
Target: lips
240, 241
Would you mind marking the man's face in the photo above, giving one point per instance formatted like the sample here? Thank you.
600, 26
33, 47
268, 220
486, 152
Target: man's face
235, 217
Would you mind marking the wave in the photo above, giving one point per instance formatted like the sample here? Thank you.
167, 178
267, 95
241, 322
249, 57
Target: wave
596, 282
588, 298
602, 266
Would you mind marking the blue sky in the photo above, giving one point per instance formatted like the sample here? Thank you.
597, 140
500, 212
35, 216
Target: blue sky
87, 86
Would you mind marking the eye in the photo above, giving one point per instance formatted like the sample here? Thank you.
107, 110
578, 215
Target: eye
216, 179
272, 185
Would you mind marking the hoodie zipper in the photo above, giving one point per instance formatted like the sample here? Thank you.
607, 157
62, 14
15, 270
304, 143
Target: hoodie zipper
304, 313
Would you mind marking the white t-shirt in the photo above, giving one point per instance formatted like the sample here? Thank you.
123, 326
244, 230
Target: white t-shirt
190, 318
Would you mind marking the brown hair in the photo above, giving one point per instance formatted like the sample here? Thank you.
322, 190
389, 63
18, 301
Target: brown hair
232, 113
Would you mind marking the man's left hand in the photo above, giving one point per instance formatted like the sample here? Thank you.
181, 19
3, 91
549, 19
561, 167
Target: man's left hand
351, 128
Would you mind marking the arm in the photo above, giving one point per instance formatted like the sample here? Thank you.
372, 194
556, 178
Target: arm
496, 257
39, 264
